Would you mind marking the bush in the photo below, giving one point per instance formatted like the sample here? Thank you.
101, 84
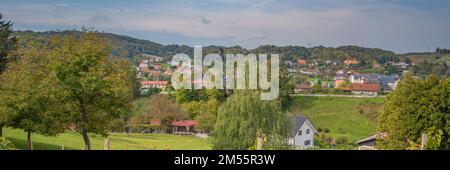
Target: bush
341, 140
326, 130
319, 130
6, 144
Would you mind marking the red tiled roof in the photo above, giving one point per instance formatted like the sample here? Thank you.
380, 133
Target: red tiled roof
184, 123
154, 82
364, 87
177, 123
301, 61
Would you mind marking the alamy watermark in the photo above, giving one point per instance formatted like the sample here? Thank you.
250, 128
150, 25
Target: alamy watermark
241, 72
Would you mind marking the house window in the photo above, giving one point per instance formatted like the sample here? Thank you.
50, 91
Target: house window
307, 131
307, 142
300, 133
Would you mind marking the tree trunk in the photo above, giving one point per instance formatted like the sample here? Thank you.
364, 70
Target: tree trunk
30, 143
87, 142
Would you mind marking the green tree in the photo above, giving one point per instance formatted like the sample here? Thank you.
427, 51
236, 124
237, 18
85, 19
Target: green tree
7, 44
415, 107
286, 86
97, 88
244, 117
28, 95
164, 110
205, 112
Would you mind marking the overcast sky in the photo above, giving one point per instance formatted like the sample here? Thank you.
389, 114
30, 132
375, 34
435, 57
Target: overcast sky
397, 25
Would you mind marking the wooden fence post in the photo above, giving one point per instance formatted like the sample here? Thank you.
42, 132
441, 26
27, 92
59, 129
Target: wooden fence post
259, 143
106, 144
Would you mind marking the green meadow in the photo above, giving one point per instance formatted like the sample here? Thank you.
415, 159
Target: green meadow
118, 141
341, 115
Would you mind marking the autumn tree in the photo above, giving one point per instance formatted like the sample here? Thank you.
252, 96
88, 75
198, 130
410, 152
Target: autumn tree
165, 110
416, 107
244, 117
97, 86
28, 91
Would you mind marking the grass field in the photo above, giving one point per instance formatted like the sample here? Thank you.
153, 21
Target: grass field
339, 114
72, 141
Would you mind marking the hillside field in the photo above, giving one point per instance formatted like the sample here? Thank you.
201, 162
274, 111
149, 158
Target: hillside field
341, 115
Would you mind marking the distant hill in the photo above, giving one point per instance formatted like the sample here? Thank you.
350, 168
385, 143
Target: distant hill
134, 46
131, 46
322, 56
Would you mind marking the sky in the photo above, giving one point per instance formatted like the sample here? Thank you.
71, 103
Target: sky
398, 25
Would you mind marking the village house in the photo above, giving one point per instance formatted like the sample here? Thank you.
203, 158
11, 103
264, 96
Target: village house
365, 89
400, 65
351, 61
364, 78
150, 58
339, 80
369, 143
302, 88
301, 62
303, 133
143, 64
388, 83
288, 63
154, 84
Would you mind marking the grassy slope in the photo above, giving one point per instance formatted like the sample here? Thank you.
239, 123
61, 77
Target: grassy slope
72, 140
339, 114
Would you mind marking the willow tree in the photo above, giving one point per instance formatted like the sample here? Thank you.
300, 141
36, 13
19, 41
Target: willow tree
28, 95
244, 117
97, 87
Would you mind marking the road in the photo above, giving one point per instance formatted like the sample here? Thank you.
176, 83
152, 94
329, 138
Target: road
336, 95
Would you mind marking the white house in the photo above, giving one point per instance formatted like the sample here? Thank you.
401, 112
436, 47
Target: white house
303, 132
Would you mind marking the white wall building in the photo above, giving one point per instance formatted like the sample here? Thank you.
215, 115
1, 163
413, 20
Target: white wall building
303, 133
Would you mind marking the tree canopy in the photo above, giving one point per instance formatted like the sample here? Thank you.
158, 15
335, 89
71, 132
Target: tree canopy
28, 94
415, 107
97, 87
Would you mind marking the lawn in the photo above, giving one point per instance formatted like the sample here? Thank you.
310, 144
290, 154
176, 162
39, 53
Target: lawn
118, 141
338, 114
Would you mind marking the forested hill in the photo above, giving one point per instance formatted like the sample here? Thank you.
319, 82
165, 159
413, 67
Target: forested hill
133, 47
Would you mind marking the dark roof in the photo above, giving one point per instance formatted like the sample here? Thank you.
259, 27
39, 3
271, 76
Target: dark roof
370, 138
297, 123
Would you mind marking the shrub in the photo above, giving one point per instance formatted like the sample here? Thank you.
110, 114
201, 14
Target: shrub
6, 144
319, 129
326, 130
341, 140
